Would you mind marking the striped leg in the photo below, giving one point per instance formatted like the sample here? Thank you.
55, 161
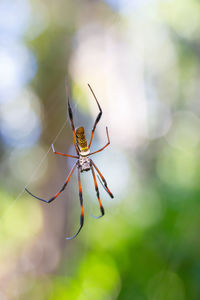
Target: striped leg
98, 196
63, 154
60, 191
72, 124
104, 181
98, 117
81, 203
108, 143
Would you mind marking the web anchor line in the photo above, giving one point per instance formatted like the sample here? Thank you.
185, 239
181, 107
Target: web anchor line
32, 175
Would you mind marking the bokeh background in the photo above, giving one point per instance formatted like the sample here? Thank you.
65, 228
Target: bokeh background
142, 58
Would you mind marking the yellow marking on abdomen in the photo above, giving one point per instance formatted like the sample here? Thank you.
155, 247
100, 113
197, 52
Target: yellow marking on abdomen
81, 140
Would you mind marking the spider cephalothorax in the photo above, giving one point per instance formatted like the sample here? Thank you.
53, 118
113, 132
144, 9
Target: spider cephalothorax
83, 163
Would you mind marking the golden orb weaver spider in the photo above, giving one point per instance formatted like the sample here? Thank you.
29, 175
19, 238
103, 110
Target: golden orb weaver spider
83, 163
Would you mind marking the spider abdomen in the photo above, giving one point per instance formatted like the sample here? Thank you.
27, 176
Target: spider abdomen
81, 139
84, 164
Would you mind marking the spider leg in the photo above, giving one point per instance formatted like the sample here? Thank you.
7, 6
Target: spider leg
81, 203
108, 143
72, 124
98, 116
98, 196
63, 154
60, 191
103, 179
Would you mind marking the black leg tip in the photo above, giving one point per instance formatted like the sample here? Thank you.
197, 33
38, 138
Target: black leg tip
27, 191
97, 217
70, 238
75, 235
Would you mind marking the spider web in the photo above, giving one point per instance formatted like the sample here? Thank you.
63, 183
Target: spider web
32, 175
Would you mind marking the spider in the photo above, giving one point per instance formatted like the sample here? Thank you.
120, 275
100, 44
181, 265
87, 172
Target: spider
83, 163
